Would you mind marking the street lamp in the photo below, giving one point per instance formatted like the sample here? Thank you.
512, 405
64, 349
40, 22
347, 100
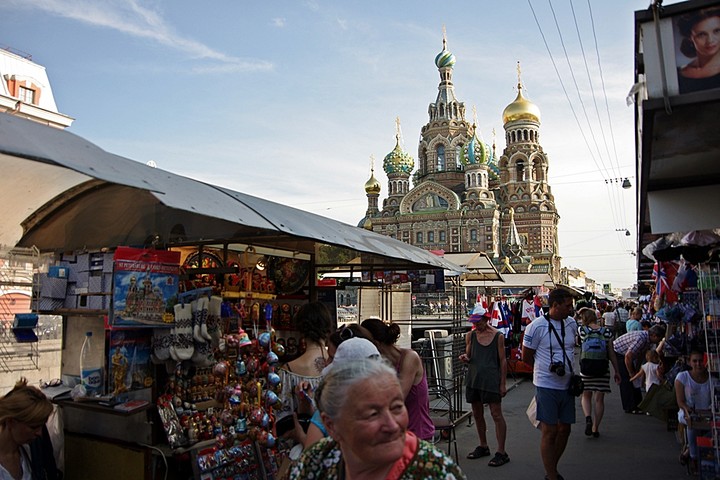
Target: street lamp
624, 182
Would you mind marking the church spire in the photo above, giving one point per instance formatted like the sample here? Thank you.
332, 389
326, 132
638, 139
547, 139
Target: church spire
446, 105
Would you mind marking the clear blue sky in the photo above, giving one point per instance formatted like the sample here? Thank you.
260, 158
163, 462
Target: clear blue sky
287, 100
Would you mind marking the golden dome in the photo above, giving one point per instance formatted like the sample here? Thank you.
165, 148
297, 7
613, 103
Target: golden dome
521, 109
372, 186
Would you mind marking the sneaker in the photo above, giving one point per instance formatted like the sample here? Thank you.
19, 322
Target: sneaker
588, 426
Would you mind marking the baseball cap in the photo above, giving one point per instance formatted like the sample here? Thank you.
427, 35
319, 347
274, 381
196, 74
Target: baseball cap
352, 349
478, 313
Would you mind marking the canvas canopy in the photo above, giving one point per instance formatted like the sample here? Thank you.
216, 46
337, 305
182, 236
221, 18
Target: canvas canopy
61, 192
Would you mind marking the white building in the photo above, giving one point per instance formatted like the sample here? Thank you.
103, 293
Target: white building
25, 90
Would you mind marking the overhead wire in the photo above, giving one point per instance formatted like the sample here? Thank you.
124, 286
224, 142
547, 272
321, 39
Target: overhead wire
614, 204
616, 197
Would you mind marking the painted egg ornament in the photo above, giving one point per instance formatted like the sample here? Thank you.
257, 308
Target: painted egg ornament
278, 388
279, 349
220, 369
264, 339
271, 397
272, 358
270, 442
265, 423
273, 379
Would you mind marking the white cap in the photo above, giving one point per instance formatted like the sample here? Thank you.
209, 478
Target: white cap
352, 349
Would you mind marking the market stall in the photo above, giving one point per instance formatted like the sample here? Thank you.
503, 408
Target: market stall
186, 292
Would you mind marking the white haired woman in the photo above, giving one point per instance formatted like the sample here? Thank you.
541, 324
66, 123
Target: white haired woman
363, 408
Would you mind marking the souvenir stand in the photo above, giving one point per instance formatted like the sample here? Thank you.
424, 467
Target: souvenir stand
188, 291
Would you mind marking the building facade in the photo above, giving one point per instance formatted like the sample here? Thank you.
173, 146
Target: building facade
466, 198
25, 90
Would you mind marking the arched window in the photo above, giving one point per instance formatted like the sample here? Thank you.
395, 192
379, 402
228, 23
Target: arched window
441, 158
520, 169
458, 156
473, 235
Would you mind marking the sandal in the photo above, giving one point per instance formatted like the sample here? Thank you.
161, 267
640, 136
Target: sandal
479, 452
499, 459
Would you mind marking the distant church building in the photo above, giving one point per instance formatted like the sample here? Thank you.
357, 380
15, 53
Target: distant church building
463, 197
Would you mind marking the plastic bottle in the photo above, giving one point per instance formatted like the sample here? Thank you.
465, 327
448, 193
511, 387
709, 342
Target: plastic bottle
90, 367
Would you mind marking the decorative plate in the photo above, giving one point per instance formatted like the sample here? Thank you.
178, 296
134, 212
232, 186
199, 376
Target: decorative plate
289, 274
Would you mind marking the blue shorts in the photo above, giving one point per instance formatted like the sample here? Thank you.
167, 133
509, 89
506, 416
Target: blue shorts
554, 406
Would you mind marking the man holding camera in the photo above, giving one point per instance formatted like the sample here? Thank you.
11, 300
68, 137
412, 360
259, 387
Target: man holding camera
549, 345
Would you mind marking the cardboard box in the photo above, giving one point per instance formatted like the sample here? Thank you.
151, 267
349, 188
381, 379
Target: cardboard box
52, 287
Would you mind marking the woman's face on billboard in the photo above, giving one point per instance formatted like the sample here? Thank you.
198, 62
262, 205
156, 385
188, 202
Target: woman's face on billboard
705, 36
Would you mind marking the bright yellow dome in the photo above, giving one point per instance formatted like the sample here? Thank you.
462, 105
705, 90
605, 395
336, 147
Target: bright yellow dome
372, 185
521, 109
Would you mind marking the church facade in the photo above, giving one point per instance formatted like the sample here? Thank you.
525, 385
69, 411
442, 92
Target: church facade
463, 196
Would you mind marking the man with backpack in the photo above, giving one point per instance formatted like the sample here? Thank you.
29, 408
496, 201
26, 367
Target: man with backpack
596, 352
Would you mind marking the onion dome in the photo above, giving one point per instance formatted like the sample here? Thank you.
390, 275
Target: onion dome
476, 151
366, 223
521, 109
398, 161
372, 186
444, 58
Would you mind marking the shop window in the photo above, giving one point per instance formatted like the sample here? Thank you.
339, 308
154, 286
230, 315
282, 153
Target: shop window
419, 237
26, 95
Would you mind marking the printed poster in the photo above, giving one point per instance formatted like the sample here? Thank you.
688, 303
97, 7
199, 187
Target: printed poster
145, 287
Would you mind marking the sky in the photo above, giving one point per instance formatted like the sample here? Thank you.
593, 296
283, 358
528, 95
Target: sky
288, 100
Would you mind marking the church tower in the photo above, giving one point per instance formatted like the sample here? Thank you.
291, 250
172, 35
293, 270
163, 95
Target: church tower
524, 187
398, 165
446, 133
372, 191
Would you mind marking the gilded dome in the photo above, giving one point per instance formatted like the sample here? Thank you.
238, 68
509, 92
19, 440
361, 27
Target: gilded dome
521, 109
372, 186
398, 161
476, 152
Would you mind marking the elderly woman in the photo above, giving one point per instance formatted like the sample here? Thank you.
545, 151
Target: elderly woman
23, 414
363, 408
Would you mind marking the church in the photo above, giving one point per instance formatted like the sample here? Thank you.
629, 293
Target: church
463, 196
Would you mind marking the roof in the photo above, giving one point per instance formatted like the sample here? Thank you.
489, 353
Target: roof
516, 280
69, 194
478, 264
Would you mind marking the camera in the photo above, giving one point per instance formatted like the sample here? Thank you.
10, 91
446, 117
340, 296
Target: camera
558, 368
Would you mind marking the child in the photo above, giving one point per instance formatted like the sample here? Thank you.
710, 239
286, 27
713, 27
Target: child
651, 370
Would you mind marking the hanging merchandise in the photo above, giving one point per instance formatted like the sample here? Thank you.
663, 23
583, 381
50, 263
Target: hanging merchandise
145, 287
